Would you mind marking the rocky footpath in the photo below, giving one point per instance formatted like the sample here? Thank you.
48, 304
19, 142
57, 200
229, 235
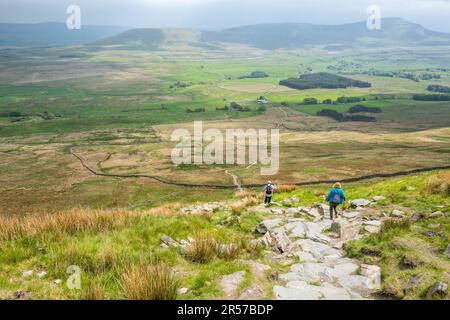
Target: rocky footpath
307, 250
306, 240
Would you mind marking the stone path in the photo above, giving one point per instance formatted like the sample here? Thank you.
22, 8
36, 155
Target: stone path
323, 273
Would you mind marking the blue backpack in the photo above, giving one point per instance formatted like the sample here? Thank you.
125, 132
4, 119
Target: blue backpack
336, 198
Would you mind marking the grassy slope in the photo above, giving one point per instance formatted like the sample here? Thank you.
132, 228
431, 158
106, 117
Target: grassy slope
104, 253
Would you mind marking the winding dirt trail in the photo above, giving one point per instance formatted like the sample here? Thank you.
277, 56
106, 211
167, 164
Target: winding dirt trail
235, 181
221, 186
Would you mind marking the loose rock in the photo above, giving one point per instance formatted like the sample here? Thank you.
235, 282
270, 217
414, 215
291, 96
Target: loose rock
360, 203
183, 291
168, 241
397, 214
27, 274
438, 290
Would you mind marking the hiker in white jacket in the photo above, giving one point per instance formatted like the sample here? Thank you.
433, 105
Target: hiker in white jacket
269, 188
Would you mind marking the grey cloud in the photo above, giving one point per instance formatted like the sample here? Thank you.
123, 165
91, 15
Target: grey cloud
214, 14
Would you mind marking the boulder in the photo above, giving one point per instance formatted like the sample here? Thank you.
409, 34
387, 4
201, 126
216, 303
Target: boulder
360, 203
279, 242
345, 231
267, 225
314, 212
319, 237
168, 241
372, 229
277, 211
321, 208
437, 214
350, 214
438, 290
27, 274
397, 214
337, 226
299, 231
374, 274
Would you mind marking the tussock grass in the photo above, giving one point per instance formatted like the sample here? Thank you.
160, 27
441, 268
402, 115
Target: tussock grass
439, 184
254, 249
228, 251
77, 220
202, 249
284, 188
166, 209
395, 225
244, 203
69, 222
95, 291
243, 194
149, 282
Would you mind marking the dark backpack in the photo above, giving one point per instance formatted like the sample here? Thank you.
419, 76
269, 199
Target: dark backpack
336, 198
269, 189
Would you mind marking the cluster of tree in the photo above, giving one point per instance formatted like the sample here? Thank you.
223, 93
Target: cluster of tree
310, 101
225, 108
438, 88
12, 114
189, 110
323, 80
429, 76
313, 101
255, 75
362, 108
432, 97
49, 116
340, 117
350, 99
179, 84
403, 75
237, 107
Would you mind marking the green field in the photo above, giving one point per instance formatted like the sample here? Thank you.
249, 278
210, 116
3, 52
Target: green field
116, 110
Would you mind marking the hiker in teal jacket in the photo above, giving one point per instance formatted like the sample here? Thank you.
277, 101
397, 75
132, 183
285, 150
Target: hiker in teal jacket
336, 197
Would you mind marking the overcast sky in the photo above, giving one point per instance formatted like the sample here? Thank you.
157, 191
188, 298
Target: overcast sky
218, 14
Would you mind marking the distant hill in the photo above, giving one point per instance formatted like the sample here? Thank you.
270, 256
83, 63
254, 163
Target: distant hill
394, 31
294, 35
52, 34
143, 38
